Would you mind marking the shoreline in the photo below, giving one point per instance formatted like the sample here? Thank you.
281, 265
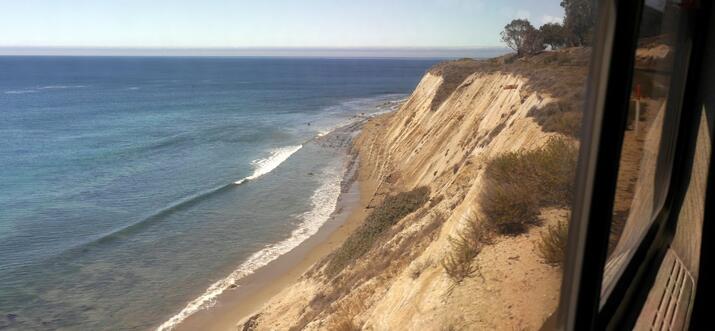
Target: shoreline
252, 292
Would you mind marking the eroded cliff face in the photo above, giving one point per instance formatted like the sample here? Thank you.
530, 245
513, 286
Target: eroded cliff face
462, 114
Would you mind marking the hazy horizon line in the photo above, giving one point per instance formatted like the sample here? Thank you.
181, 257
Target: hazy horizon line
278, 51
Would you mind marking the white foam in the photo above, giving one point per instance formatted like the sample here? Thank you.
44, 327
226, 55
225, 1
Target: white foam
48, 87
323, 202
20, 91
60, 87
266, 165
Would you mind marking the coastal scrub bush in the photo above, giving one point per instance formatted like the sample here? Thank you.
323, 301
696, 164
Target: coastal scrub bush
554, 169
560, 117
519, 183
510, 207
568, 123
458, 264
464, 247
389, 212
552, 245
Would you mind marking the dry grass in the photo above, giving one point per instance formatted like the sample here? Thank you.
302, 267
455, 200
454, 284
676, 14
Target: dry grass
389, 212
518, 184
552, 245
458, 263
557, 58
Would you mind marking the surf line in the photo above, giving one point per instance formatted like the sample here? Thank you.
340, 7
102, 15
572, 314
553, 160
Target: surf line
266, 165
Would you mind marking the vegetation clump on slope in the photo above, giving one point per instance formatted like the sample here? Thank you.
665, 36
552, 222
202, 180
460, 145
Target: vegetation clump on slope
560, 117
519, 184
552, 246
466, 246
392, 209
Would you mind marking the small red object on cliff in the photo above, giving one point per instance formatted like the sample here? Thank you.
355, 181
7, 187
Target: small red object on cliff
638, 91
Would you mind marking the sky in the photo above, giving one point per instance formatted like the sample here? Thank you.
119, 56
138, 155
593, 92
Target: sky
214, 24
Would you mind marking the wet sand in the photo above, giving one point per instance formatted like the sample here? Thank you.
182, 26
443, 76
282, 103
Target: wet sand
255, 290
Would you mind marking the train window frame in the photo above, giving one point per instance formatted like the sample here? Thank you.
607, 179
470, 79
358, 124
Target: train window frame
581, 304
666, 153
701, 318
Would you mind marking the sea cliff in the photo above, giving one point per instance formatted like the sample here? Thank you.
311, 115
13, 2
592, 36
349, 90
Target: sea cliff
462, 115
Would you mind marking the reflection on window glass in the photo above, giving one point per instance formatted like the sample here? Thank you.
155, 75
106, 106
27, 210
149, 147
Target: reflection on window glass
646, 158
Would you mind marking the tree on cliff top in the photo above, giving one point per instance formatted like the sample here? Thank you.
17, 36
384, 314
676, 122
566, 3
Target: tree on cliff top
554, 35
579, 20
522, 37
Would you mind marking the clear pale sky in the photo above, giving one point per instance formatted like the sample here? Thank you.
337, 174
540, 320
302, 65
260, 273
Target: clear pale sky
264, 23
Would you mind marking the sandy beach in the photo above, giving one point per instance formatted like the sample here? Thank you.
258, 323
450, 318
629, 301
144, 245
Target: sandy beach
254, 291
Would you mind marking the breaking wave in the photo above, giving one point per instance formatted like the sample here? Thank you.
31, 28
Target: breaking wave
266, 165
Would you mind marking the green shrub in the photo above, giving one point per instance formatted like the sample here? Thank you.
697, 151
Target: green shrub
552, 245
389, 212
519, 184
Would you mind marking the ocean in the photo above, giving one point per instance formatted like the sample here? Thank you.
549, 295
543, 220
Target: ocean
133, 190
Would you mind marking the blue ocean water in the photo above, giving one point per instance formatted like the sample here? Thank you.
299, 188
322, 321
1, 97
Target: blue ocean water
118, 195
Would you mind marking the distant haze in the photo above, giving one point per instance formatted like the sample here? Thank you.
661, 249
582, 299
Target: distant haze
475, 52
395, 28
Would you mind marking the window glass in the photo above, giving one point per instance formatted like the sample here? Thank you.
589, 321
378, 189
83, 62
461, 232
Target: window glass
646, 154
